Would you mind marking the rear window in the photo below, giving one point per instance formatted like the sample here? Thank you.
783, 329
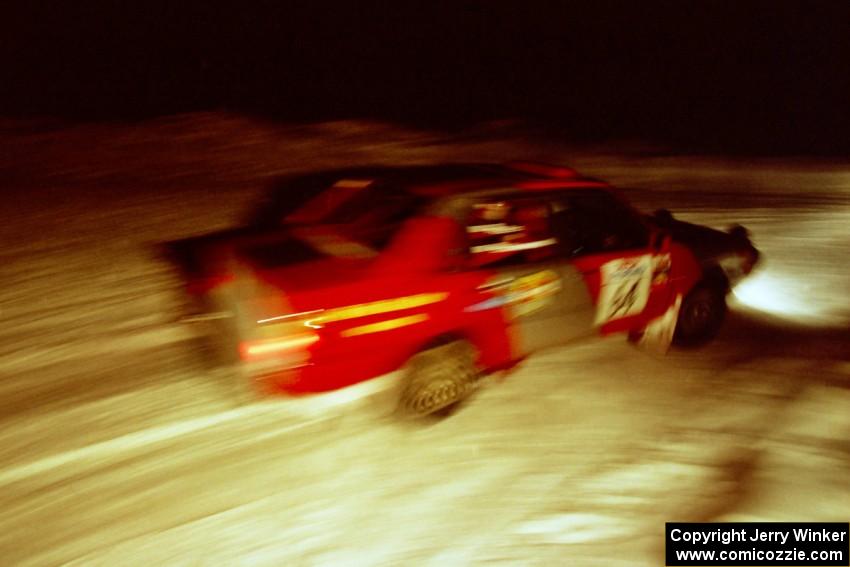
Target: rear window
362, 210
286, 194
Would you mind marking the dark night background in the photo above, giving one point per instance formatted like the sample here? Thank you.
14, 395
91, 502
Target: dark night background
757, 77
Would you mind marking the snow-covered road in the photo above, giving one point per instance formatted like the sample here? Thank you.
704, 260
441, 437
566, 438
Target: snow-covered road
118, 446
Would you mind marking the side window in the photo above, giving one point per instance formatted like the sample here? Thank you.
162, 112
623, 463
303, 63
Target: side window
510, 232
595, 222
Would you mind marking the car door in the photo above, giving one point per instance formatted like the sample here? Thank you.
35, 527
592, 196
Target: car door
624, 271
542, 293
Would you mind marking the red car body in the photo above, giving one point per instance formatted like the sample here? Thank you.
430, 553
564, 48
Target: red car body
504, 257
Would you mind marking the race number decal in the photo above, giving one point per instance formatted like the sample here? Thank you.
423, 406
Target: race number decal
624, 288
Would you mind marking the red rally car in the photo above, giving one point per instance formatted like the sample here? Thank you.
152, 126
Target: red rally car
448, 272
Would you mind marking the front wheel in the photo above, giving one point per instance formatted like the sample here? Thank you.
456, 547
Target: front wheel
700, 316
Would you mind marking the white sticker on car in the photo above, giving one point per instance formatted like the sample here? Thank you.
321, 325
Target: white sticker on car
624, 287
658, 334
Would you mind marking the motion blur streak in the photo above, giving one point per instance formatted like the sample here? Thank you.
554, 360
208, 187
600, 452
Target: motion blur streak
259, 348
126, 444
119, 446
290, 316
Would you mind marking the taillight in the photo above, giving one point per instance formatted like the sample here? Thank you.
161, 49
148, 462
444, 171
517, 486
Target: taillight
280, 342
278, 346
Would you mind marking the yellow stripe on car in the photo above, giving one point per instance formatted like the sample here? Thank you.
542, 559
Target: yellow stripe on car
378, 307
387, 325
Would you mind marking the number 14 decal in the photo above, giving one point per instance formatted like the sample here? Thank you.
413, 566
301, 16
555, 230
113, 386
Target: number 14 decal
624, 290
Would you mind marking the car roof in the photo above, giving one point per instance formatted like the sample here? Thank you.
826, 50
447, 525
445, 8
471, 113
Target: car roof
443, 180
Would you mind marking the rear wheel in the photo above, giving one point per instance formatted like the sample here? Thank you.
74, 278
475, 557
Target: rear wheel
700, 316
439, 377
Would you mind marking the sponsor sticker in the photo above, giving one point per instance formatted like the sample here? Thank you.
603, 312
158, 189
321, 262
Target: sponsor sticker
524, 295
533, 292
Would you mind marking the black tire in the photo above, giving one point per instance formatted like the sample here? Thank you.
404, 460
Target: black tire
439, 377
700, 316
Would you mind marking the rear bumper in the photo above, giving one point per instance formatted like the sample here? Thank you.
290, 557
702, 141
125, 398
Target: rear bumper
318, 376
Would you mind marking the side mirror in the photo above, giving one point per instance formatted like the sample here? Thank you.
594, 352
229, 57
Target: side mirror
739, 232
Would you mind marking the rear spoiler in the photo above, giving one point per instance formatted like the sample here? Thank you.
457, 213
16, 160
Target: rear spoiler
196, 256
220, 254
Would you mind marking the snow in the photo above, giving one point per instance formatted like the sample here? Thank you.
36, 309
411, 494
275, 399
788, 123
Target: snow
120, 447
